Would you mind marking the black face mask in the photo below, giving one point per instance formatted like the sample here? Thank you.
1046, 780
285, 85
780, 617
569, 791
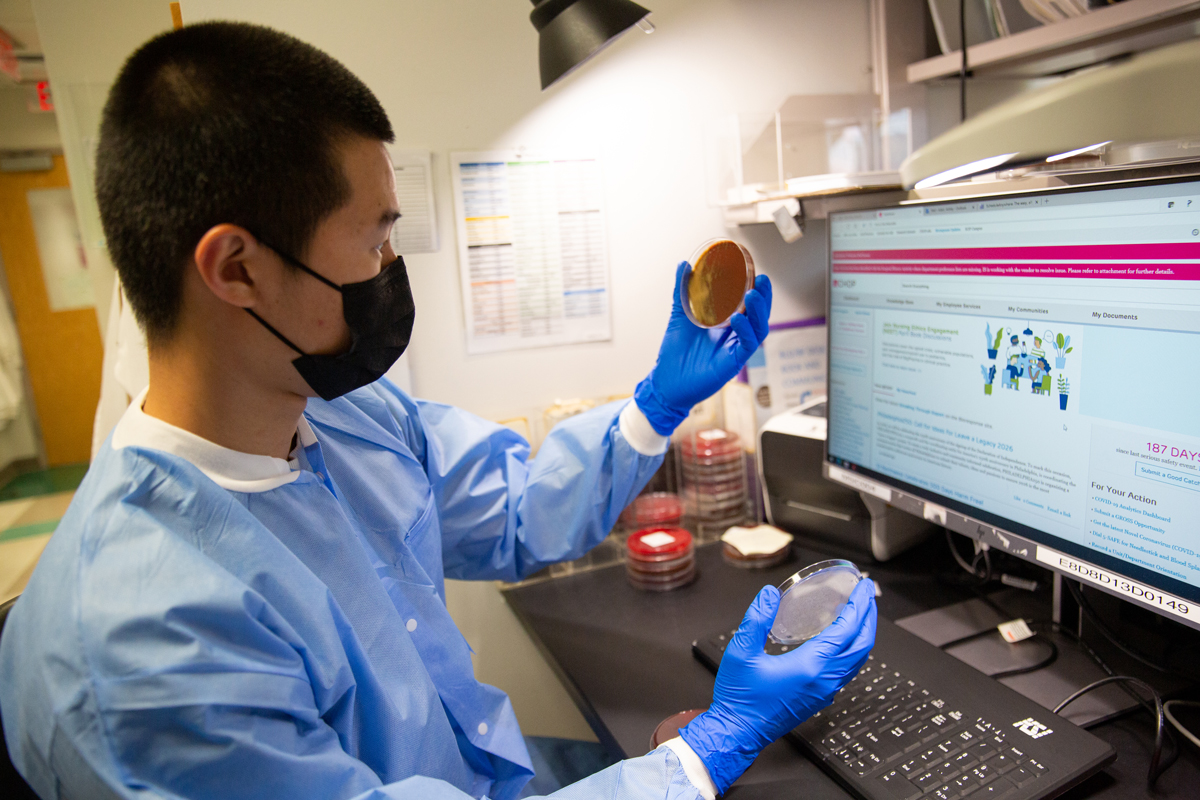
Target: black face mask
379, 313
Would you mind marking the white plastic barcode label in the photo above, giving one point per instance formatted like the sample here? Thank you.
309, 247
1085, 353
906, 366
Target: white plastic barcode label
660, 539
1015, 630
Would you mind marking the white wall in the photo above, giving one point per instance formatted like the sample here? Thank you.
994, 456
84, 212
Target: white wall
85, 43
463, 75
20, 128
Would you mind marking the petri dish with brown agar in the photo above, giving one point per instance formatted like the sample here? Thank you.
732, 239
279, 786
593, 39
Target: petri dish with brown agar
715, 283
812, 599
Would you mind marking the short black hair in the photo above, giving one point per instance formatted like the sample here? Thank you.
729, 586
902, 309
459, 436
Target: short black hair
221, 122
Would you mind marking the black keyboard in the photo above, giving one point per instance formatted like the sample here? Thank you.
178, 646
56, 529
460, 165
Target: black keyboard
918, 723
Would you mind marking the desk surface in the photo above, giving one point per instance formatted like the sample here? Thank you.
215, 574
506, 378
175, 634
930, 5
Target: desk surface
625, 656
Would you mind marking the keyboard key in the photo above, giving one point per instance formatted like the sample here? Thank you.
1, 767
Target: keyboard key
984, 774
1017, 754
854, 727
943, 793
964, 785
1002, 763
982, 750
872, 760
994, 790
1033, 765
941, 721
913, 767
945, 771
965, 737
886, 747
947, 747
897, 786
927, 782
1021, 776
964, 759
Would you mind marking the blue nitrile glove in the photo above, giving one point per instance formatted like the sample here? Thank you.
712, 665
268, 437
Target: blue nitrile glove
694, 363
760, 697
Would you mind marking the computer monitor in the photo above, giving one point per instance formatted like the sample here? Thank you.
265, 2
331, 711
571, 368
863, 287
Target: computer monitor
1025, 370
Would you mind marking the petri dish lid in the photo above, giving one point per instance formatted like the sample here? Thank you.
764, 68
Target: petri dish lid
711, 442
715, 282
811, 599
657, 507
658, 543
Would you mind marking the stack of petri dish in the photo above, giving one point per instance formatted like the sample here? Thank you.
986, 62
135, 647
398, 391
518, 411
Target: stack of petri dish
662, 509
660, 559
713, 478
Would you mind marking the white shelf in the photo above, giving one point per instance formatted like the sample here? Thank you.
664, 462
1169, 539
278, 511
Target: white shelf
815, 204
1131, 26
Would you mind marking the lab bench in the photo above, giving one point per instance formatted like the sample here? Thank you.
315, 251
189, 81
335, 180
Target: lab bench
625, 657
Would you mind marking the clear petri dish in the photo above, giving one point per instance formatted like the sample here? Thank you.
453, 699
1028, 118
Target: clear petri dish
715, 283
711, 442
811, 599
657, 508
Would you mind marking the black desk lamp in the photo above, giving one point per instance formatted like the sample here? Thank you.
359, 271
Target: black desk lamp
572, 31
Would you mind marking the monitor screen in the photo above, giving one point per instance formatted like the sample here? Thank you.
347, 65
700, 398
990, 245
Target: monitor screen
1027, 369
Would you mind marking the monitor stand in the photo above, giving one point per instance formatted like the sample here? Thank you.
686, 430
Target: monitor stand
1050, 685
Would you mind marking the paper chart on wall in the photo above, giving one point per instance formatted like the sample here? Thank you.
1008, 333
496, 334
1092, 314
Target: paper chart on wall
416, 230
532, 250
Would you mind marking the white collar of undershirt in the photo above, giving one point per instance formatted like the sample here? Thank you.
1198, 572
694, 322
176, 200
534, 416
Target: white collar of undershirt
229, 469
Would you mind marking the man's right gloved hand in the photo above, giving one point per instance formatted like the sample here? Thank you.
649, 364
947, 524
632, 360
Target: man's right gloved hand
760, 697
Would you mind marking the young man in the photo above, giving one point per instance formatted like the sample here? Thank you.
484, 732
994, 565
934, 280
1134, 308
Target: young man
246, 596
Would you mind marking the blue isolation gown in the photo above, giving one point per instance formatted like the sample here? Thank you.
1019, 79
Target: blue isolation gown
254, 634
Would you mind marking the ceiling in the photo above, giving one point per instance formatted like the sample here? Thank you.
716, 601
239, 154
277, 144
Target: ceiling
16, 17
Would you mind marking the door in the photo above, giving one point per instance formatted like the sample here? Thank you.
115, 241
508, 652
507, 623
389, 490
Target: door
55, 315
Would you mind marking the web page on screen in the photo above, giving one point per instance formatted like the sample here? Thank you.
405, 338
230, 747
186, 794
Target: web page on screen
1036, 358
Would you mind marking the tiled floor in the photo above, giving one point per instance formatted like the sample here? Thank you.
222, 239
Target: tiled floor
30, 507
41, 482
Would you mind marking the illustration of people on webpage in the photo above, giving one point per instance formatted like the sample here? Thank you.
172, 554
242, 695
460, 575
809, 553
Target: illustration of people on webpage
1026, 357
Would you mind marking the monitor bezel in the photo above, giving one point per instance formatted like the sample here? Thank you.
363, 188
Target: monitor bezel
1080, 563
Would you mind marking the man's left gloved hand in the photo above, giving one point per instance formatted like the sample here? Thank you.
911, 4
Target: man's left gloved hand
760, 697
694, 363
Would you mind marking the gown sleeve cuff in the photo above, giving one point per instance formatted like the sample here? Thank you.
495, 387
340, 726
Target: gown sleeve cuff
638, 432
693, 767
